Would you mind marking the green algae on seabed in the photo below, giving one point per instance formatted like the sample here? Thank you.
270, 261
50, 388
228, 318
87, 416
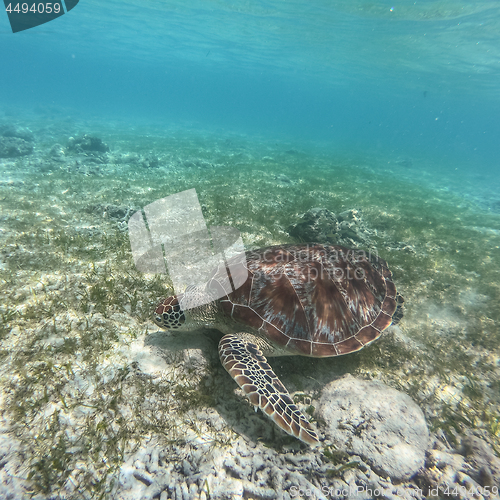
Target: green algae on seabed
72, 299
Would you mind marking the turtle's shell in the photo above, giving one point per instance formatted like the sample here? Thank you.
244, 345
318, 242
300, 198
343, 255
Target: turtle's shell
314, 300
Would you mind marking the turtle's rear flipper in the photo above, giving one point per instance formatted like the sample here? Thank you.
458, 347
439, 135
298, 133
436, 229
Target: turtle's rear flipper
245, 362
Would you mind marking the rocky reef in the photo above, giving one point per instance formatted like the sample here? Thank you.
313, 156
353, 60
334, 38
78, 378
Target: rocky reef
323, 226
15, 141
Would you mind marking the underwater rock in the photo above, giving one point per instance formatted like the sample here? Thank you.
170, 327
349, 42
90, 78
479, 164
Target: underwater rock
461, 473
57, 152
108, 210
150, 161
87, 143
14, 131
320, 225
195, 163
486, 466
381, 425
12, 147
128, 158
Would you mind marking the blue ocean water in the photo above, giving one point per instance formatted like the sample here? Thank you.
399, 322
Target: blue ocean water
382, 114
410, 78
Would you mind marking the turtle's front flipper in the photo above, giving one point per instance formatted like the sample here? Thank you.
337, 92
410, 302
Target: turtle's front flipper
245, 362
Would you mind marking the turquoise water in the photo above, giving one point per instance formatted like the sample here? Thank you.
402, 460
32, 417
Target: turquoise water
409, 77
268, 109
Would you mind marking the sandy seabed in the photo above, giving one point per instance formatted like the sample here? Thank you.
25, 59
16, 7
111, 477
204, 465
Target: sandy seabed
95, 401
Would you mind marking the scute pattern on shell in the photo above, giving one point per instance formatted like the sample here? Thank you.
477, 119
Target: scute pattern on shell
314, 300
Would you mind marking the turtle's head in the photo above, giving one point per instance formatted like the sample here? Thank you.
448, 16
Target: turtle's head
169, 314
186, 311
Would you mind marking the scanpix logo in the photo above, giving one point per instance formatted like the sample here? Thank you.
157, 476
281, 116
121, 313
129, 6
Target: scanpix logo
172, 231
26, 15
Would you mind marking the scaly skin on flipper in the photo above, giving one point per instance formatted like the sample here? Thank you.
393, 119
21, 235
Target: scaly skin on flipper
247, 365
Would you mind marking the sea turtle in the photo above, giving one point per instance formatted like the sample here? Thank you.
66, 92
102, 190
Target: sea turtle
311, 300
